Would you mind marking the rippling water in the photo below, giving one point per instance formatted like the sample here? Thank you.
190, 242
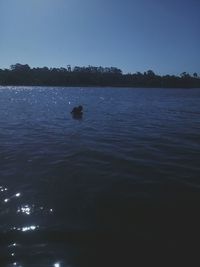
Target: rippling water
117, 187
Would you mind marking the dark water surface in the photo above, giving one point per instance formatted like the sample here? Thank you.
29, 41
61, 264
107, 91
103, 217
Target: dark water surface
119, 187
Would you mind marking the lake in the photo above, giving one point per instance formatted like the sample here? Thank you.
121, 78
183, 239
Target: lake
117, 187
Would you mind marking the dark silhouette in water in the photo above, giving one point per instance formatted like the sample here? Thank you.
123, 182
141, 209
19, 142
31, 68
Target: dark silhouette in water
77, 112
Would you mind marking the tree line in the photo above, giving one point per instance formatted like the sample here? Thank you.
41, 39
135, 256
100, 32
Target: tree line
23, 74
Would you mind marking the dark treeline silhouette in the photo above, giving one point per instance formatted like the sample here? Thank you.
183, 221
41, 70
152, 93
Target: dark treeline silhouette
23, 74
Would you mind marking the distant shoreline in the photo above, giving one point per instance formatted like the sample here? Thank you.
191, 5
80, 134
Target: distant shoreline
23, 75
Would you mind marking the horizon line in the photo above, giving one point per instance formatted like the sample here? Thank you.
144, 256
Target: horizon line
98, 66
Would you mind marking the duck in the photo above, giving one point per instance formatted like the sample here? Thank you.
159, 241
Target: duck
77, 111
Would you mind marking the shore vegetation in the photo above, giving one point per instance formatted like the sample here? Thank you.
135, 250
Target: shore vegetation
23, 74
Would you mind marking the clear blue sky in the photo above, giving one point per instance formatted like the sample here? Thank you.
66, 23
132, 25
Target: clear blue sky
134, 35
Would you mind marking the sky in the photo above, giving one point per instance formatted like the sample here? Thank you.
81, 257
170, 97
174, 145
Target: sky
133, 35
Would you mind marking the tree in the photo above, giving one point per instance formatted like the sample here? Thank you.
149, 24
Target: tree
150, 73
69, 69
20, 67
185, 75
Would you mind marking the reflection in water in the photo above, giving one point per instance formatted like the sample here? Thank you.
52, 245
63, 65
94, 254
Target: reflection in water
120, 184
57, 264
29, 228
15, 246
3, 189
26, 209
17, 195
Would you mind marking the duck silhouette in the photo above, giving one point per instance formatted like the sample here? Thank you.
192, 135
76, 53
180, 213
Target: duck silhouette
77, 112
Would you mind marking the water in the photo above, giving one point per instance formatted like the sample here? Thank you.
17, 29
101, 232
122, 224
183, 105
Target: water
115, 188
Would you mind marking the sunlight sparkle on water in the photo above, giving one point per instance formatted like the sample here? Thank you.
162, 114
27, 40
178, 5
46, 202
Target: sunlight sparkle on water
13, 245
24, 209
3, 189
28, 228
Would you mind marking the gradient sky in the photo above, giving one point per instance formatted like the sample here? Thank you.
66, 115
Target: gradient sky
134, 35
